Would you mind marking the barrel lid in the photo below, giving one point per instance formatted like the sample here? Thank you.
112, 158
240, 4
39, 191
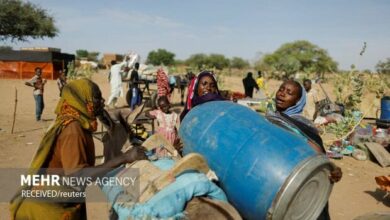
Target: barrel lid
305, 192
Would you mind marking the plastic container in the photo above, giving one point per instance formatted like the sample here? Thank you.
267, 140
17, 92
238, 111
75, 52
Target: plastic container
385, 108
266, 171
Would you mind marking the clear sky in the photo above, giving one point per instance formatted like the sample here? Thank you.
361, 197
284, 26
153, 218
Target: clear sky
243, 28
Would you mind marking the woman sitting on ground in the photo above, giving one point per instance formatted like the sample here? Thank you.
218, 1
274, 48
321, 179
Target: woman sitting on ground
290, 100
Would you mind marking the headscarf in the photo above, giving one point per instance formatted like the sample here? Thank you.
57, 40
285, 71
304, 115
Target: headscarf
76, 104
192, 97
291, 119
298, 107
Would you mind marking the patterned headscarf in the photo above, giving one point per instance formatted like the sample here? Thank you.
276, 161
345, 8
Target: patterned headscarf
76, 104
192, 97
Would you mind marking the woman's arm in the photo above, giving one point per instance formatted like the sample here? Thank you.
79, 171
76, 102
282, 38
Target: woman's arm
132, 155
75, 150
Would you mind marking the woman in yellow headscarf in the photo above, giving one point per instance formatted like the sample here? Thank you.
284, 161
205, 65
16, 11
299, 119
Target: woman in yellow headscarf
67, 147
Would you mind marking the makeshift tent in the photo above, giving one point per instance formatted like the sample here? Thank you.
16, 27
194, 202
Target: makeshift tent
21, 64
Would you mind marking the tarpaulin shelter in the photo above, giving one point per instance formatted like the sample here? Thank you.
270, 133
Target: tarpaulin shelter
21, 64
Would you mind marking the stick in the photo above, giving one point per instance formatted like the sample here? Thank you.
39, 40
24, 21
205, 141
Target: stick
326, 94
16, 104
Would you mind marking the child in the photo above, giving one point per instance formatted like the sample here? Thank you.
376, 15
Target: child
167, 121
61, 81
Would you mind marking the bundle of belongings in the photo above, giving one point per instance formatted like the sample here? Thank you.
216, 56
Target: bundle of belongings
169, 187
328, 112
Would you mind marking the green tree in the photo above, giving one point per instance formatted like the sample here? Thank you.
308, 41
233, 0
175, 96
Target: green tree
198, 61
89, 55
81, 53
218, 61
383, 67
289, 64
20, 20
202, 61
179, 62
93, 56
299, 56
161, 56
239, 63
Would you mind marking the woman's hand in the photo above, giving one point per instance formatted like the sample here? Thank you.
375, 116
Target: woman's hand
335, 174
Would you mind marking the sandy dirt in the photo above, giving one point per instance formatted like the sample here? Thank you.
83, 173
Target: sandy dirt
355, 195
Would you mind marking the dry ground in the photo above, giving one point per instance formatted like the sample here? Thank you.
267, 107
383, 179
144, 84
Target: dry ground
355, 195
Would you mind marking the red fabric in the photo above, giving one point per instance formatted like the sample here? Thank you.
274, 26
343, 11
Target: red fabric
26, 70
162, 83
238, 95
191, 91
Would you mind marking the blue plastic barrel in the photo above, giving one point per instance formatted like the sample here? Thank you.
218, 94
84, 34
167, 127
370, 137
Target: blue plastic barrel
385, 108
266, 171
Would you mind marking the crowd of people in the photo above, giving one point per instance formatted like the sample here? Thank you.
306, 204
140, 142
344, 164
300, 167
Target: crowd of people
68, 144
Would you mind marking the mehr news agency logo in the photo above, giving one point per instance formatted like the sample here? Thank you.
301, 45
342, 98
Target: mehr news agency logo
55, 186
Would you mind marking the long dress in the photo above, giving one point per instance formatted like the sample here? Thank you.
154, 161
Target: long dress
167, 124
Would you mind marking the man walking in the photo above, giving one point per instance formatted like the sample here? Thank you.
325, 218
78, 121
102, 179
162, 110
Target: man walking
116, 82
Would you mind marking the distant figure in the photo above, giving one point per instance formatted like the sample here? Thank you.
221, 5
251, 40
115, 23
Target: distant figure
172, 83
260, 80
38, 83
133, 85
311, 100
134, 78
61, 81
249, 85
115, 78
167, 121
190, 75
